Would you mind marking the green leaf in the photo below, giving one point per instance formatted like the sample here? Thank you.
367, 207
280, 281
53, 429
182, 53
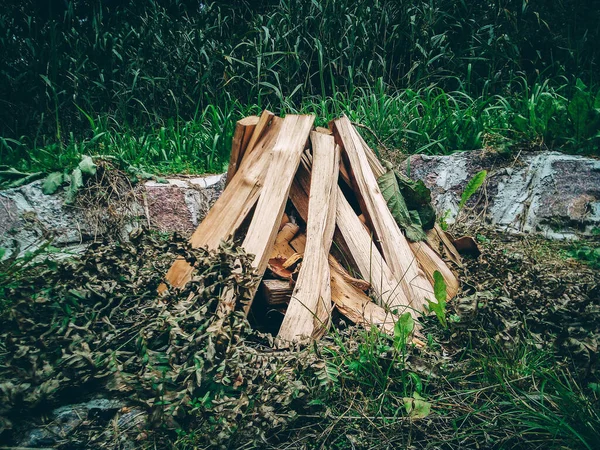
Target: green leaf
416, 407
388, 183
414, 232
53, 182
472, 187
409, 221
440, 293
402, 330
87, 166
418, 198
439, 287
76, 182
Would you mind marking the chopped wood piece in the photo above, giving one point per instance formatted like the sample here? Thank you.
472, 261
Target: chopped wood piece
241, 137
275, 292
283, 163
437, 237
292, 261
349, 299
358, 307
284, 219
431, 262
323, 130
236, 202
359, 244
261, 128
428, 259
309, 312
281, 247
276, 267
395, 247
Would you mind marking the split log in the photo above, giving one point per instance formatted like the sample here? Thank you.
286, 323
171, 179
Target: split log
427, 257
261, 128
282, 165
359, 244
234, 204
275, 292
309, 312
244, 129
349, 299
394, 246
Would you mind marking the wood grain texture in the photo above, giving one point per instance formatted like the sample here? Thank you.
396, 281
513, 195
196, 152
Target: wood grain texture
275, 292
244, 129
234, 204
350, 300
395, 248
358, 244
429, 260
309, 312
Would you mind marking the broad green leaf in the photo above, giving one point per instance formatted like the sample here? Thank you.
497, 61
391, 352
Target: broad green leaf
414, 232
53, 182
439, 291
408, 221
472, 187
76, 179
87, 166
402, 330
439, 287
390, 190
418, 198
416, 407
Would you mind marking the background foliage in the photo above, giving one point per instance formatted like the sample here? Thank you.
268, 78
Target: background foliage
164, 79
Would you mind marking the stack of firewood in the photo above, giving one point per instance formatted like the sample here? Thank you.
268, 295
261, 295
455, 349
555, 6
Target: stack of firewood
329, 178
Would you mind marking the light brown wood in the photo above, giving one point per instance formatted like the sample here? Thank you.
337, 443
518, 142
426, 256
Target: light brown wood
359, 244
309, 312
427, 257
395, 248
358, 307
263, 230
275, 292
235, 203
241, 137
349, 299
281, 247
261, 128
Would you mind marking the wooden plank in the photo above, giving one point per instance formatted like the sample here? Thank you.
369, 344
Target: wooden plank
359, 244
282, 164
427, 257
352, 302
232, 207
261, 128
309, 312
241, 136
395, 248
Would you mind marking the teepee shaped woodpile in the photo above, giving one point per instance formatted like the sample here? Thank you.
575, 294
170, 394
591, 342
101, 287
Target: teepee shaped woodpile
330, 178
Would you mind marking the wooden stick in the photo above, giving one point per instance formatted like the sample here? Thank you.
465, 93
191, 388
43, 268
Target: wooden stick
232, 207
309, 312
428, 258
350, 300
395, 248
259, 240
244, 129
359, 243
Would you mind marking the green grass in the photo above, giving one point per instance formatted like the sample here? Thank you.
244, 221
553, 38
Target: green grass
429, 120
